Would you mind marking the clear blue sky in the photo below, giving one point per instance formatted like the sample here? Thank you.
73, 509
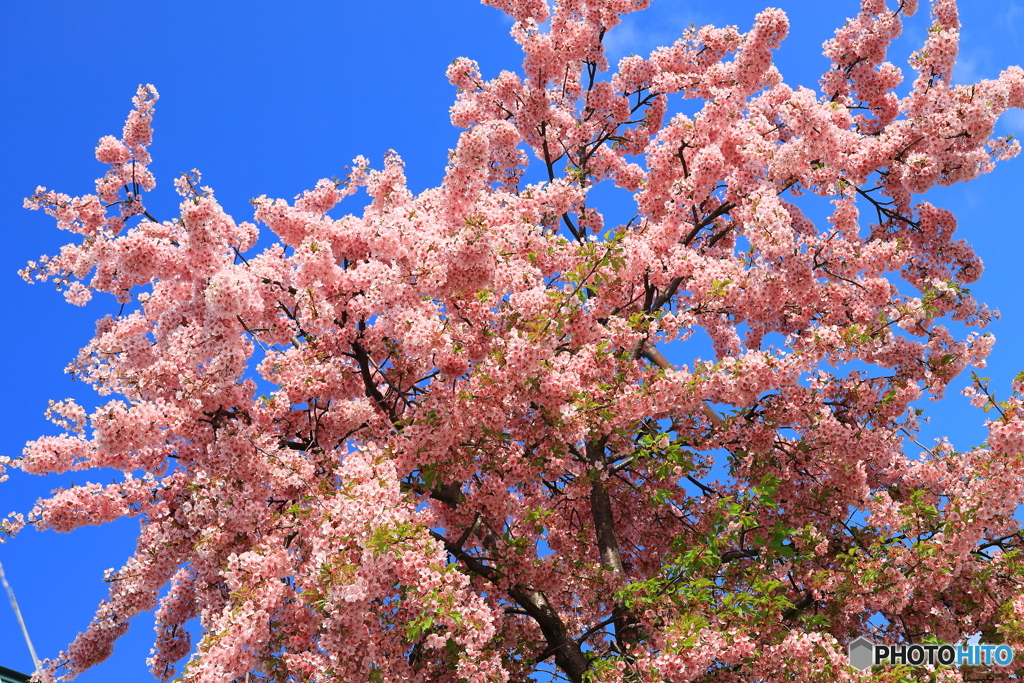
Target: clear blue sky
266, 98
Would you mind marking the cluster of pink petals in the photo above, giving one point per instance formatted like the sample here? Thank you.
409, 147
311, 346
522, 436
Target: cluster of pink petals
476, 460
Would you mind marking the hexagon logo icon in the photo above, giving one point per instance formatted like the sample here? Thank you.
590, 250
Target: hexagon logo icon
862, 654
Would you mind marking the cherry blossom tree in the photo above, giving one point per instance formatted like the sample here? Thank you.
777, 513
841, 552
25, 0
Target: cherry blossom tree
477, 462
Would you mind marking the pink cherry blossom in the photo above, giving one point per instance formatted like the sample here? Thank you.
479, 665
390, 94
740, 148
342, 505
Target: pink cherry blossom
477, 460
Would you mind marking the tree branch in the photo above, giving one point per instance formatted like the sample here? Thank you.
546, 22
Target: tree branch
654, 355
372, 392
568, 655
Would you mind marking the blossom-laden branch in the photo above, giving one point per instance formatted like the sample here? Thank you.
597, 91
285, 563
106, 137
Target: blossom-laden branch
477, 461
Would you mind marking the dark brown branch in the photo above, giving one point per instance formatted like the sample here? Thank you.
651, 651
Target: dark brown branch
449, 494
730, 555
666, 295
607, 539
708, 220
802, 603
601, 510
372, 392
548, 161
568, 655
703, 487
883, 210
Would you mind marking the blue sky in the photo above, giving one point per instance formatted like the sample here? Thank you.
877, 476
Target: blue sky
267, 98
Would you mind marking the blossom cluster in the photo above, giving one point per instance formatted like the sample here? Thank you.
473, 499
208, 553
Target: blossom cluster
477, 461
